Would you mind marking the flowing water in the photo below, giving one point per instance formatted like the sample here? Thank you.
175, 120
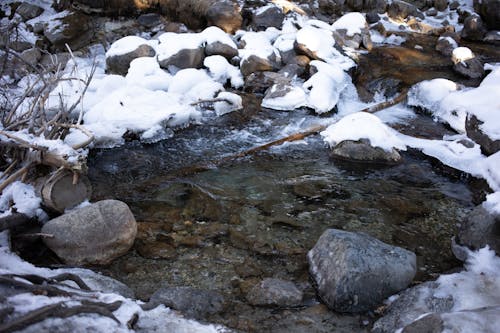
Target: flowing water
227, 227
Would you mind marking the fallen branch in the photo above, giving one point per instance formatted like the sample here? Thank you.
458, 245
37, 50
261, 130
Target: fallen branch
81, 129
60, 310
387, 104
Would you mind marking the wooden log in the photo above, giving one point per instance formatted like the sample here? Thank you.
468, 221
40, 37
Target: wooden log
58, 192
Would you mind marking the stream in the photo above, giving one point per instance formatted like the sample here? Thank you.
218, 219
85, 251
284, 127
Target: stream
226, 228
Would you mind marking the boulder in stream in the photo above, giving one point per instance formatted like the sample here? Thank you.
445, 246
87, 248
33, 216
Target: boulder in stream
355, 272
275, 292
94, 235
481, 228
473, 129
362, 151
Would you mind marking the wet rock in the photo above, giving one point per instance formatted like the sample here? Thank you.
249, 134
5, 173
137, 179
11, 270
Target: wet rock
119, 64
254, 64
478, 320
185, 58
102, 283
218, 48
470, 68
481, 228
492, 37
149, 20
354, 272
275, 292
473, 129
362, 151
490, 12
193, 303
474, 28
31, 56
445, 45
270, 17
28, 11
431, 12
73, 29
225, 15
441, 5
155, 250
400, 10
96, 234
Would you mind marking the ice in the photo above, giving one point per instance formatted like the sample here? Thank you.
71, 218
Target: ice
23, 199
352, 22
295, 97
362, 125
232, 102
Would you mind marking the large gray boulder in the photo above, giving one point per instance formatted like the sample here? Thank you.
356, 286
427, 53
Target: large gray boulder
94, 235
355, 272
275, 292
481, 228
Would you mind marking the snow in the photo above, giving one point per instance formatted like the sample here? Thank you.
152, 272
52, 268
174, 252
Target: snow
461, 54
159, 319
146, 72
221, 71
319, 41
362, 125
232, 103
295, 97
171, 43
126, 45
257, 44
23, 199
352, 22
492, 202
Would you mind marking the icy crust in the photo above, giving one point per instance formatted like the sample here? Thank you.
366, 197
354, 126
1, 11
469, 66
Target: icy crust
362, 125
451, 105
159, 319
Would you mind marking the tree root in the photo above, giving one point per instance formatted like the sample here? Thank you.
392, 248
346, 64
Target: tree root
40, 285
61, 310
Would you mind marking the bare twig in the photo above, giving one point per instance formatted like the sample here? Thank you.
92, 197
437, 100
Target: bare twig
387, 104
15, 176
81, 129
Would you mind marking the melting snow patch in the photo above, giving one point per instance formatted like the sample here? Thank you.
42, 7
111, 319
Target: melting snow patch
352, 22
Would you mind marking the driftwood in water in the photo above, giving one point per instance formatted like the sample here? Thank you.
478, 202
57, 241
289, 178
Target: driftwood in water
196, 14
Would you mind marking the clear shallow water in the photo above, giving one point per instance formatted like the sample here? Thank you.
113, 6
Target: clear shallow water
228, 227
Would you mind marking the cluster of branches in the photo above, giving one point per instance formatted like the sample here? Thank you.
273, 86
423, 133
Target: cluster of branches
27, 112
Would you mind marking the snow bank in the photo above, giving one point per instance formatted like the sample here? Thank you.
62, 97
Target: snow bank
221, 71
362, 125
258, 44
21, 198
159, 319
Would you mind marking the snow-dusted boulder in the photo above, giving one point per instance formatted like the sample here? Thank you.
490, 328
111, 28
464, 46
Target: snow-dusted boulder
123, 51
474, 28
275, 292
181, 50
445, 45
473, 129
362, 151
354, 272
95, 234
267, 16
481, 228
466, 63
73, 29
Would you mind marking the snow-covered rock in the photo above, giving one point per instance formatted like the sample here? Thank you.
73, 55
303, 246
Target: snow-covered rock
123, 51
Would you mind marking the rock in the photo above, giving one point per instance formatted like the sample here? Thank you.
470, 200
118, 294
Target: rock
400, 10
354, 272
155, 250
269, 17
218, 48
474, 28
28, 11
471, 68
372, 17
254, 64
431, 12
362, 151
446, 45
193, 303
473, 130
481, 228
95, 234
275, 292
492, 37
102, 283
225, 15
185, 58
149, 20
454, 5
478, 320
441, 5
119, 64
490, 12
411, 304
53, 60
73, 29
31, 56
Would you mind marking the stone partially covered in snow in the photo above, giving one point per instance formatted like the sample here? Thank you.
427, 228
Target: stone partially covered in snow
481, 228
475, 287
258, 54
362, 151
446, 45
254, 64
267, 16
466, 63
353, 23
284, 96
123, 51
363, 125
354, 272
73, 29
222, 71
275, 292
95, 234
228, 102
181, 50
474, 28
473, 129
